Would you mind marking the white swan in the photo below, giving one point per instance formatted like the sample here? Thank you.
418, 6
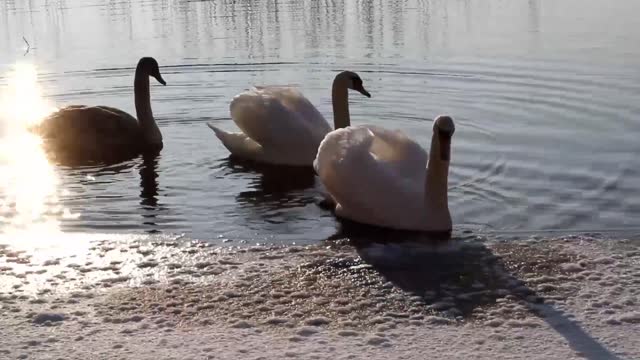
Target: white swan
104, 133
381, 177
280, 126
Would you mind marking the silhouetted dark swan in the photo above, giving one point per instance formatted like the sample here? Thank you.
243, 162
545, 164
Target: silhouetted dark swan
102, 133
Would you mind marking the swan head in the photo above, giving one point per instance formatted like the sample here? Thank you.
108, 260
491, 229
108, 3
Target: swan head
444, 128
149, 66
352, 81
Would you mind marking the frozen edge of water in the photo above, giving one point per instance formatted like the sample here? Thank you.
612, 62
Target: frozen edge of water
588, 286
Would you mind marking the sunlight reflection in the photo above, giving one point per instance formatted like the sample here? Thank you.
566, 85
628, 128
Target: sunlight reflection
29, 207
21, 101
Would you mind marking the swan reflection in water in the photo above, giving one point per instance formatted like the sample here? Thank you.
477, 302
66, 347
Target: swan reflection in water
149, 182
149, 192
104, 182
274, 187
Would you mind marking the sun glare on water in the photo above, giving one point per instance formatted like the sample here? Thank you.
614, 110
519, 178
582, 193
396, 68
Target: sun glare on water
29, 207
21, 101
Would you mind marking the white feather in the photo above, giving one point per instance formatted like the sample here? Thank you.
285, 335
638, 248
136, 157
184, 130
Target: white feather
279, 126
375, 176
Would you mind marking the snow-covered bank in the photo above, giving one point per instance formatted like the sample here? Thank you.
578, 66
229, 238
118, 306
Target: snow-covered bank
572, 297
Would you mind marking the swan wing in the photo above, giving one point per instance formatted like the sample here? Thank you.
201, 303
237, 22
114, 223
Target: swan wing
81, 133
279, 117
294, 101
88, 124
405, 157
376, 176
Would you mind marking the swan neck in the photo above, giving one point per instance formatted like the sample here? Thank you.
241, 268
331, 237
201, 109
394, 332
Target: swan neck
340, 100
150, 131
437, 178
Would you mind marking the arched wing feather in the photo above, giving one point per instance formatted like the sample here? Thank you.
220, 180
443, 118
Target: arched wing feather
371, 173
279, 116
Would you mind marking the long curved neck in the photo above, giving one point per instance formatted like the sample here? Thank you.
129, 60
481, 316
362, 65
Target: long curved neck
340, 100
436, 182
150, 131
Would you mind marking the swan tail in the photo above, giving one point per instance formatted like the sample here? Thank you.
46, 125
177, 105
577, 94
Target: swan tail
219, 133
238, 144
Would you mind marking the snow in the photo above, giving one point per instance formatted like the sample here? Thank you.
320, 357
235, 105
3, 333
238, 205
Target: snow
476, 298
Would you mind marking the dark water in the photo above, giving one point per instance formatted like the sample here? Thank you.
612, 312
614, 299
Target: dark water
545, 95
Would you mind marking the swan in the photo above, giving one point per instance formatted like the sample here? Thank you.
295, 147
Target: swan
102, 133
381, 177
280, 126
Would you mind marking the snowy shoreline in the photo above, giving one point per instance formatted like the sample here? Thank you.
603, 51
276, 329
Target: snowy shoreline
569, 297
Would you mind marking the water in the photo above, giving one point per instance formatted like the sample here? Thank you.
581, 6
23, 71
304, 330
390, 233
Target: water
544, 94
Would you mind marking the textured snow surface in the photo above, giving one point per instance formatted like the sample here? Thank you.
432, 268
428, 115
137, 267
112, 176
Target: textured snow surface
561, 298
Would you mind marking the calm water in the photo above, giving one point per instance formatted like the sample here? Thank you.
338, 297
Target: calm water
546, 95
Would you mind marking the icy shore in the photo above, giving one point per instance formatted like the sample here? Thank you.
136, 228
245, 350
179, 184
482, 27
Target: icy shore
562, 298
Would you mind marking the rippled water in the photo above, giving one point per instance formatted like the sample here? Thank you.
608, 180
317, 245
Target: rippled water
545, 95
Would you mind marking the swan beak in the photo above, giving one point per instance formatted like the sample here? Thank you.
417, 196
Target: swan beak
160, 79
361, 90
445, 145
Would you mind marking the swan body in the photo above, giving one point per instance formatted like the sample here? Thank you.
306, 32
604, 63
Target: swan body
281, 126
382, 177
102, 133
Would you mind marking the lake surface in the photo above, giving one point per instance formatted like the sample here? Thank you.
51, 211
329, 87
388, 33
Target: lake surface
545, 94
